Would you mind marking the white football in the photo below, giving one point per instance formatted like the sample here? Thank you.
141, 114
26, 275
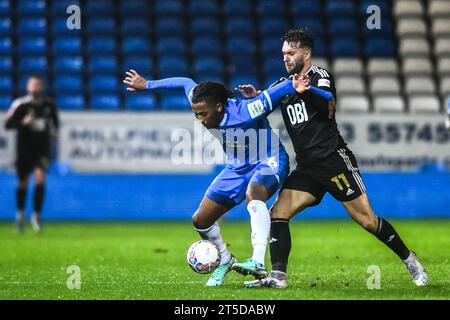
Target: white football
203, 256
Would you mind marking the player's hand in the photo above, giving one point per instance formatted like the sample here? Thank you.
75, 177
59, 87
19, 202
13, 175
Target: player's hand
301, 83
135, 81
28, 120
331, 109
248, 91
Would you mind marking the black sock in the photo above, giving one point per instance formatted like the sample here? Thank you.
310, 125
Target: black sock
280, 244
387, 234
21, 195
38, 197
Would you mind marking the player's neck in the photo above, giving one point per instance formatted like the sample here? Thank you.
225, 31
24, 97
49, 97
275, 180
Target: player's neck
221, 118
306, 67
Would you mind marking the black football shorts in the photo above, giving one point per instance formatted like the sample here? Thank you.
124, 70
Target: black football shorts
337, 174
25, 166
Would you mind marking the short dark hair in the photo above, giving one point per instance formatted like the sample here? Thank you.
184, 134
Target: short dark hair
211, 92
36, 76
303, 37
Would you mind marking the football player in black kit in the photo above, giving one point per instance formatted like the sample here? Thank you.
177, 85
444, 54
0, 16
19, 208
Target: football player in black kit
324, 164
35, 118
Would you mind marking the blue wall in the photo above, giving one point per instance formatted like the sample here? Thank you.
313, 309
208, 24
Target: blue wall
151, 197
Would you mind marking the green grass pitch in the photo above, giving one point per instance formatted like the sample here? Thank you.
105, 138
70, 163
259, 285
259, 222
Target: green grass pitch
329, 260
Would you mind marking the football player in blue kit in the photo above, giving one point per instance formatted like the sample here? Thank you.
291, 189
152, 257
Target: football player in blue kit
254, 171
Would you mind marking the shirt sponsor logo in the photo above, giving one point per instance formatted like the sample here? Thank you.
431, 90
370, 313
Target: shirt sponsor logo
297, 113
255, 108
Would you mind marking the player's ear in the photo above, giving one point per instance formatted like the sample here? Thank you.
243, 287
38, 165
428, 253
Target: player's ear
219, 107
307, 54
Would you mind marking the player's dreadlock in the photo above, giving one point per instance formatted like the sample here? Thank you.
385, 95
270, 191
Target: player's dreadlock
211, 92
302, 37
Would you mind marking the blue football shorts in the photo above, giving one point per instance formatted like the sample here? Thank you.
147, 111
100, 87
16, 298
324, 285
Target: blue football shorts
230, 186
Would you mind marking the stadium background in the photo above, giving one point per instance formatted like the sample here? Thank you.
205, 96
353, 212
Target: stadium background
112, 154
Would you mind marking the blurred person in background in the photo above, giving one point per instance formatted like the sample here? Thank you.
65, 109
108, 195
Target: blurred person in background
35, 117
447, 121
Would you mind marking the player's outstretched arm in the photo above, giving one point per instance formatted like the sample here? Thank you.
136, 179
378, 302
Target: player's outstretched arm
263, 103
302, 83
187, 84
270, 98
299, 83
248, 91
136, 82
323, 93
278, 92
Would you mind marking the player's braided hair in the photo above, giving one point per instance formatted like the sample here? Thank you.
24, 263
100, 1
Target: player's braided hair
211, 92
302, 37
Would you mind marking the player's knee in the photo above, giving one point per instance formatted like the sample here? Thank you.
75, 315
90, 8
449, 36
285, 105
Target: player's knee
369, 222
276, 213
39, 177
373, 224
23, 183
249, 196
40, 180
256, 192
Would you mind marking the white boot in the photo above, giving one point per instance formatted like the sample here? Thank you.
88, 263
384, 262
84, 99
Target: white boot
36, 222
415, 268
